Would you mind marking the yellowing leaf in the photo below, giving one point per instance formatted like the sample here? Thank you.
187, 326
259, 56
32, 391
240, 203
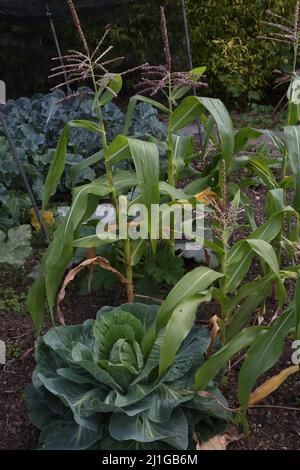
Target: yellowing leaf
90, 253
179, 201
47, 216
214, 333
220, 441
97, 261
206, 196
271, 385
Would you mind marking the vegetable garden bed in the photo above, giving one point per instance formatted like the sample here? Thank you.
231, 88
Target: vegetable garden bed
166, 306
274, 426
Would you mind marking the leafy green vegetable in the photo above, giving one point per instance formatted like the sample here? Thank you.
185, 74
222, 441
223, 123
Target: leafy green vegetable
94, 388
165, 268
15, 247
35, 125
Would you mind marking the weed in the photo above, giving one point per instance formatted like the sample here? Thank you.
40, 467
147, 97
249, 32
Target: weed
12, 302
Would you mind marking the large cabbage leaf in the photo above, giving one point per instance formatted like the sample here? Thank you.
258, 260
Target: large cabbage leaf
94, 388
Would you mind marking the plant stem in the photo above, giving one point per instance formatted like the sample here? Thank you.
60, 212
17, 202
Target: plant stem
128, 264
171, 175
127, 246
224, 261
283, 175
225, 316
104, 141
107, 161
226, 229
284, 165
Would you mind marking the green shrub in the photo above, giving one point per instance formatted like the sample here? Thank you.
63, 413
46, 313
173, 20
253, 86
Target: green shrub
93, 387
224, 37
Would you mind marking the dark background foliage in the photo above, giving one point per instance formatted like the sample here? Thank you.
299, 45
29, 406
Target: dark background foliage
223, 35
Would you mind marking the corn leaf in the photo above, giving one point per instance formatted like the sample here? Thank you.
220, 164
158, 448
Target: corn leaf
115, 85
242, 306
146, 161
57, 166
177, 329
263, 354
272, 384
193, 283
131, 107
263, 172
292, 134
297, 301
215, 363
192, 107
247, 133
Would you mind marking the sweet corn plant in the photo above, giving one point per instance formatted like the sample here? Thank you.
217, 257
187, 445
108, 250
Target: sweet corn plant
118, 378
141, 178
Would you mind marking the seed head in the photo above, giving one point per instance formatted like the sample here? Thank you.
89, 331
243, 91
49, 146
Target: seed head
77, 66
160, 78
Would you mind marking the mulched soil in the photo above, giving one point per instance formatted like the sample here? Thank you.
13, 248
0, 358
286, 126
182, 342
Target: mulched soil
270, 428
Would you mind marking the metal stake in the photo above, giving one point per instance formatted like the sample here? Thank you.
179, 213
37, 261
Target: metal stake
24, 177
49, 15
190, 59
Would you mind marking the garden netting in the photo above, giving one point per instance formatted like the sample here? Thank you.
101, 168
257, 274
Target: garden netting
38, 8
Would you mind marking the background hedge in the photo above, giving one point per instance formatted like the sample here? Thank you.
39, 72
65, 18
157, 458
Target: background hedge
223, 35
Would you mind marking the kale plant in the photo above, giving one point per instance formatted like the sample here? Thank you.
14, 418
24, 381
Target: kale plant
35, 125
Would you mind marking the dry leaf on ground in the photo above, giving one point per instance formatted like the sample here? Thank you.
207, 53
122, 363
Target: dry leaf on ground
97, 261
219, 442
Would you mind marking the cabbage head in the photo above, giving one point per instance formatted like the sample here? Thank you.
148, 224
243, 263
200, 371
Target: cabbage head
93, 387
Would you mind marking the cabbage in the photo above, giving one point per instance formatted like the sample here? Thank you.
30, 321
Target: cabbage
93, 387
